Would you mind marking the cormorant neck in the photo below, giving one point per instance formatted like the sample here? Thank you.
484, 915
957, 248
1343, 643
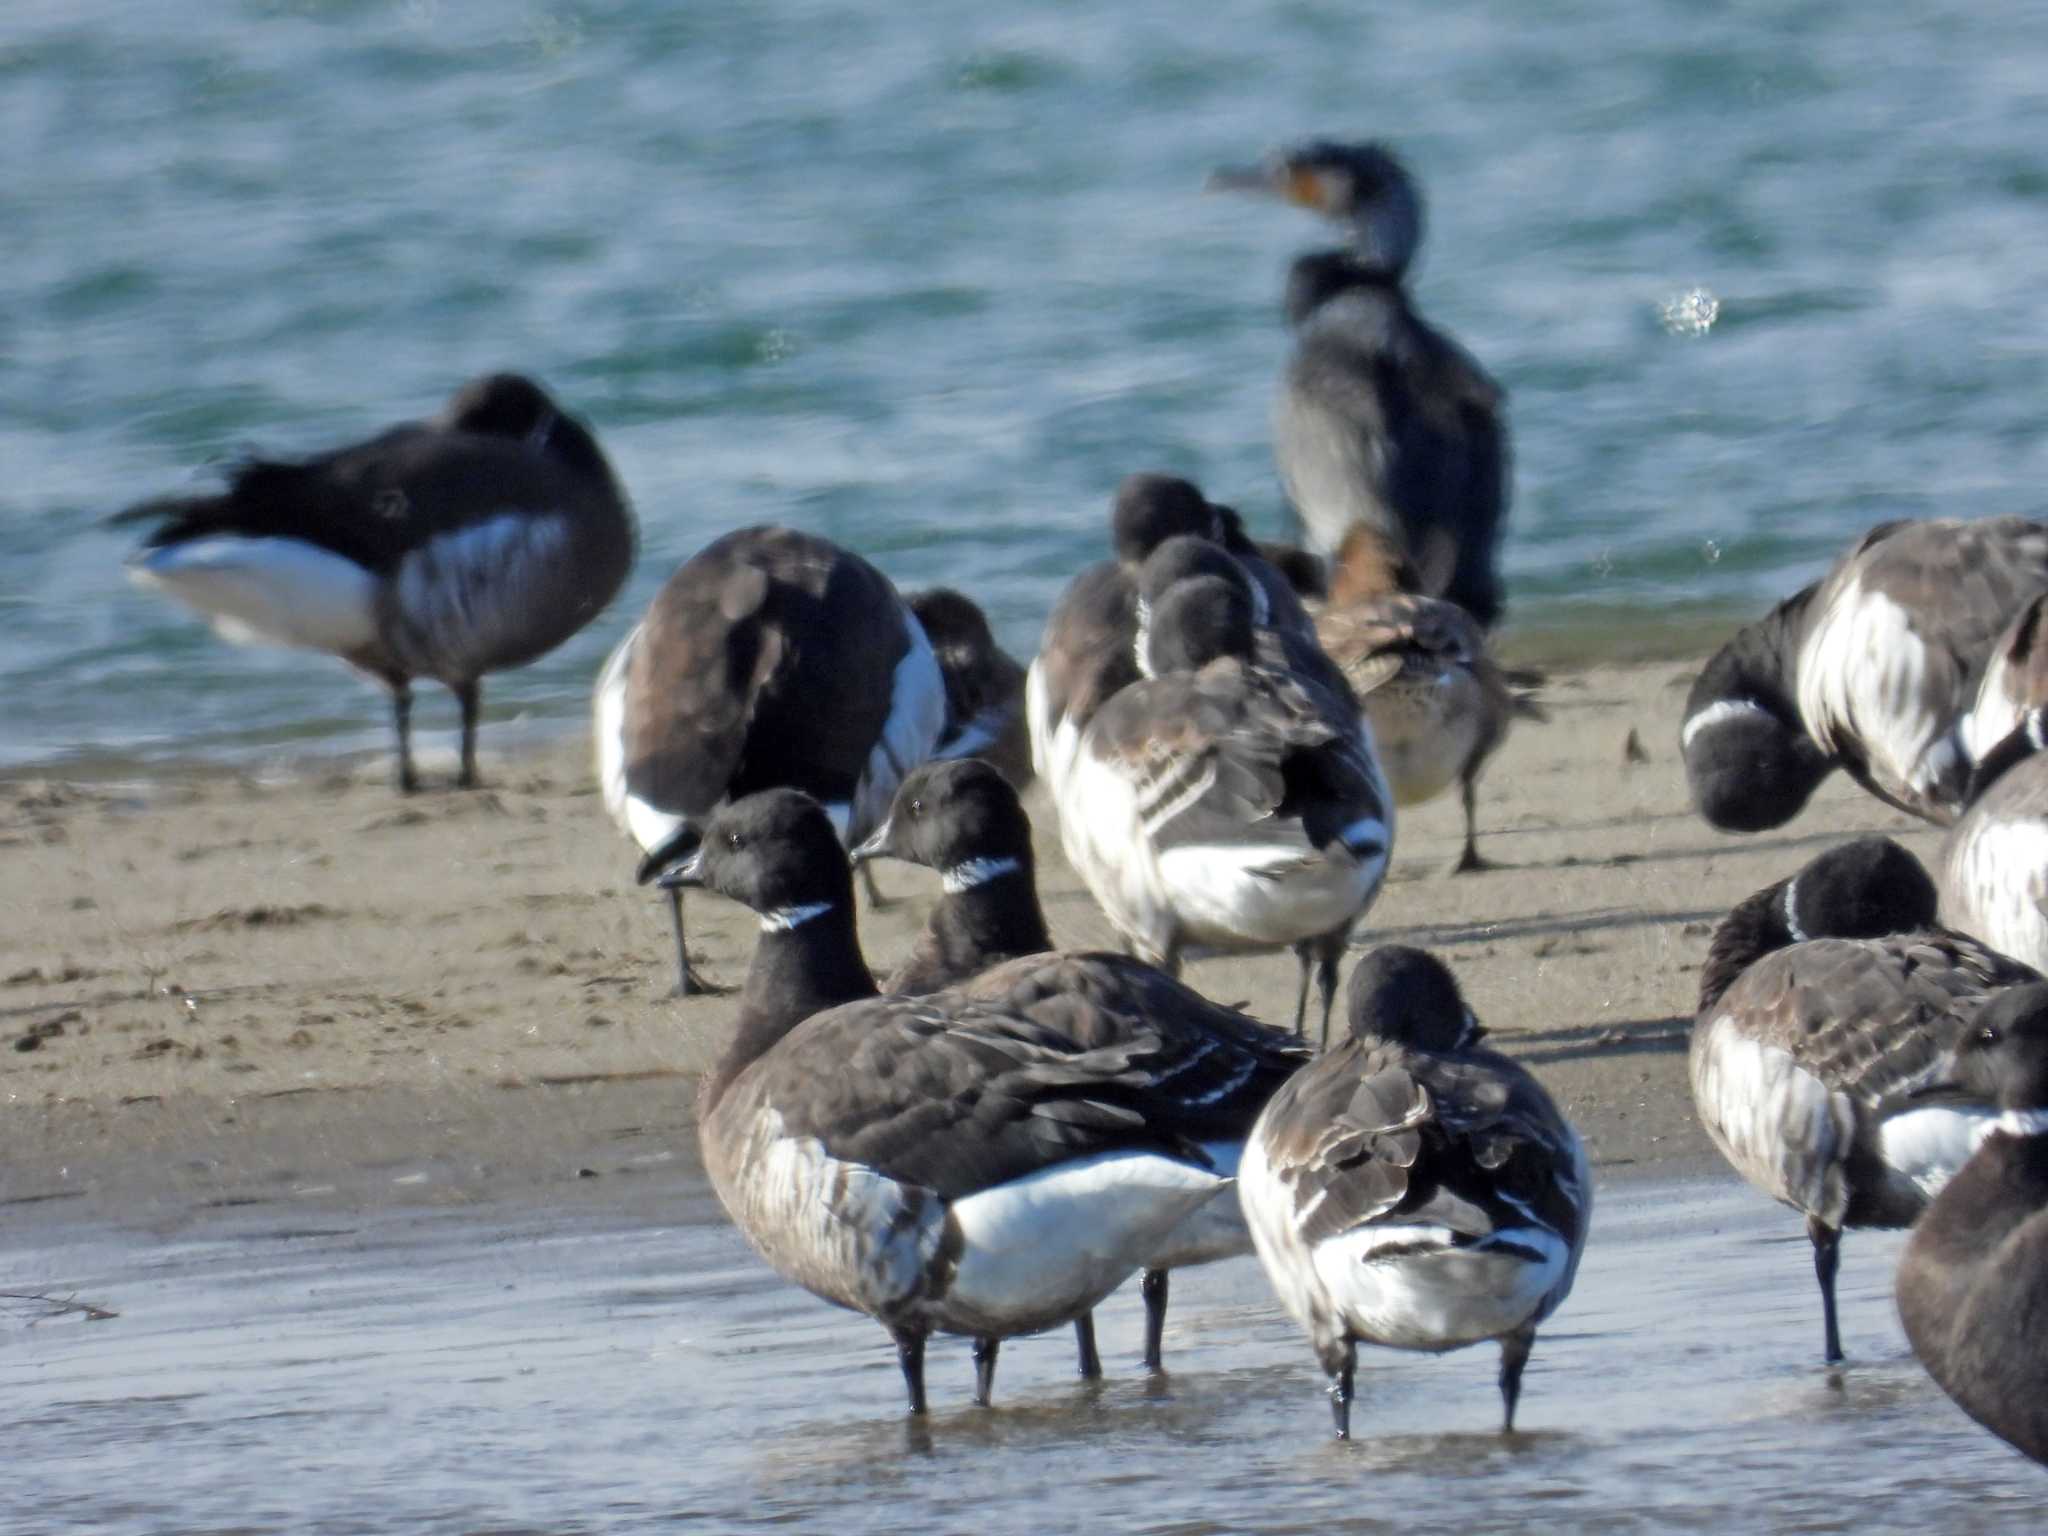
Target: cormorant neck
1320, 276
808, 959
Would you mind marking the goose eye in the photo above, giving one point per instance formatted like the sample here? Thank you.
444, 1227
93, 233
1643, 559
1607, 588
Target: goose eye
917, 807
732, 839
1988, 1035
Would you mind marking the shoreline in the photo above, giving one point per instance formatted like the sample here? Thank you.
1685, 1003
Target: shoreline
217, 988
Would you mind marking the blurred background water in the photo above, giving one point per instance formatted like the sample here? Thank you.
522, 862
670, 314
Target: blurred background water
930, 278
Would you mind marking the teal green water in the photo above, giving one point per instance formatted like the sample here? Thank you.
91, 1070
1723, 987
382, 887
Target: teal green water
930, 278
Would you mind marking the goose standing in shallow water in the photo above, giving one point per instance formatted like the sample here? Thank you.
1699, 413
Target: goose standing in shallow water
1827, 1002
1871, 669
1439, 704
770, 657
1224, 806
476, 540
942, 1164
1382, 420
1414, 1189
1973, 1281
987, 937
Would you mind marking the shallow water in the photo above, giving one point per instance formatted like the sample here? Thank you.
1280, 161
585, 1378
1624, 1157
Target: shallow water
930, 278
290, 1368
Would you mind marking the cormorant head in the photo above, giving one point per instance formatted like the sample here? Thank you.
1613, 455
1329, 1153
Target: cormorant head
1360, 186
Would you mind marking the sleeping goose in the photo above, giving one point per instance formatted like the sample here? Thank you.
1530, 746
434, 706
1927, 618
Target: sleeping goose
1871, 669
1973, 1280
770, 657
1221, 805
1439, 704
1827, 1000
987, 936
942, 1164
984, 684
1382, 421
1413, 1189
476, 540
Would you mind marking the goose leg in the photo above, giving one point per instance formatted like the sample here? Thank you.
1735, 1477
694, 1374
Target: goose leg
1306, 955
1329, 948
1514, 1354
910, 1355
688, 982
1153, 1289
1340, 1390
1084, 1337
401, 717
470, 696
985, 1370
1470, 859
1827, 1257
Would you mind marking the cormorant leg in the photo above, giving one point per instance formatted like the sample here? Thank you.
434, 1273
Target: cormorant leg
401, 716
1153, 1289
985, 1370
1514, 1354
470, 696
910, 1355
1469, 860
1827, 1257
1340, 1390
1304, 953
1084, 1336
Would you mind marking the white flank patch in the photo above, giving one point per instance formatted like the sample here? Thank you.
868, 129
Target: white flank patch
1995, 879
646, 824
466, 599
1437, 1296
1865, 678
1775, 1121
274, 591
1213, 1230
917, 716
2022, 1122
1928, 1146
1041, 1248
1098, 810
1718, 713
965, 877
1252, 895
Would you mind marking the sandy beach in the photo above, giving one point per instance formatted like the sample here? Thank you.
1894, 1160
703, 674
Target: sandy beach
216, 987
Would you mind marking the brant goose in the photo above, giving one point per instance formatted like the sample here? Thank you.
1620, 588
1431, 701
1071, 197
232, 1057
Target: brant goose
1826, 1001
1087, 651
987, 935
1438, 703
1994, 862
1223, 805
943, 1164
1870, 669
770, 657
1382, 420
470, 542
1973, 1281
2011, 707
1414, 1189
984, 684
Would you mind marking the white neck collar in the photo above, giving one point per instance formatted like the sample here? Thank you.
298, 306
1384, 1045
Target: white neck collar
1140, 639
2022, 1122
782, 919
965, 877
1792, 923
1714, 714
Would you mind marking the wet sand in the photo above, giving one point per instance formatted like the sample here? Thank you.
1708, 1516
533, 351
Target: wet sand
225, 986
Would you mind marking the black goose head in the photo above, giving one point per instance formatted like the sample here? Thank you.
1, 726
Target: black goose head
1407, 996
951, 620
2003, 1058
947, 815
511, 405
1196, 621
1152, 508
1362, 187
774, 851
1748, 759
1864, 889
